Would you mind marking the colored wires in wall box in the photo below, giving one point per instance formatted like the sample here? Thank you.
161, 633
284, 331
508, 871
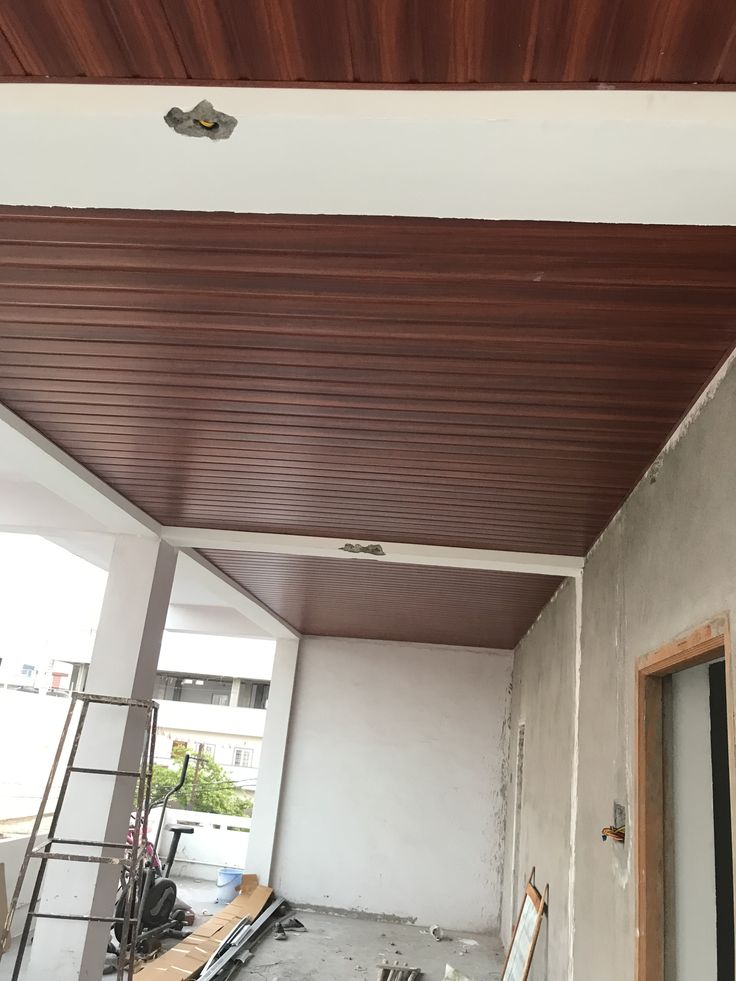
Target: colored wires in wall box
615, 834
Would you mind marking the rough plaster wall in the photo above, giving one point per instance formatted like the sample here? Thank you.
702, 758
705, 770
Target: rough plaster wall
670, 557
543, 692
665, 565
393, 799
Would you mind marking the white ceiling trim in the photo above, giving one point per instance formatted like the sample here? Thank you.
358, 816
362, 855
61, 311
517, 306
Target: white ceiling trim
25, 452
404, 554
236, 596
595, 156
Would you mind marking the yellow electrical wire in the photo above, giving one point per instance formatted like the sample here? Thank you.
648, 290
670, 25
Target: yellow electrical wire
617, 834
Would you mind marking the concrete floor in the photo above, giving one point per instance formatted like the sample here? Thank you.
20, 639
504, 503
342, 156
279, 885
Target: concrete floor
341, 948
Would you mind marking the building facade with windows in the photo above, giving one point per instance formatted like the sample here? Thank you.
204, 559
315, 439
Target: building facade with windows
223, 711
221, 716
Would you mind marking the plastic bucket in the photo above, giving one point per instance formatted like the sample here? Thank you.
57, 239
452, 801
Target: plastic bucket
228, 881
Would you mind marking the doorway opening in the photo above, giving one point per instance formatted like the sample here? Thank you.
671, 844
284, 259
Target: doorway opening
684, 831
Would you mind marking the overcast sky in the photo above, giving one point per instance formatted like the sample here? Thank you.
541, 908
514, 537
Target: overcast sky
50, 601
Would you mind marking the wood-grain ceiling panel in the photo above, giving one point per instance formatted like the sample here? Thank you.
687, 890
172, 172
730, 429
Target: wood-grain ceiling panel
477, 384
451, 382
9, 63
91, 38
380, 601
437, 42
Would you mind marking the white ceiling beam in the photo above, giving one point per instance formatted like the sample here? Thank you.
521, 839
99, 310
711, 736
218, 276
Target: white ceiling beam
235, 596
25, 452
543, 155
491, 560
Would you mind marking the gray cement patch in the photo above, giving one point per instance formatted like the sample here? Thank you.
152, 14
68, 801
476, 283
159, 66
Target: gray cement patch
201, 121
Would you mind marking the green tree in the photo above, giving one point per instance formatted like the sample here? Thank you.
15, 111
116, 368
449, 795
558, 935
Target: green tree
206, 788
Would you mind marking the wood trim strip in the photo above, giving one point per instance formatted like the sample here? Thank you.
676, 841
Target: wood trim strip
687, 651
698, 646
238, 83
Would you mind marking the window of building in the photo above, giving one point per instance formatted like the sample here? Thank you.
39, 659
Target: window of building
202, 690
253, 694
209, 749
243, 757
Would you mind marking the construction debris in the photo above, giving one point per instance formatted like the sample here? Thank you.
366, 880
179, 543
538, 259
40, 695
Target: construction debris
392, 972
292, 925
437, 932
220, 947
452, 974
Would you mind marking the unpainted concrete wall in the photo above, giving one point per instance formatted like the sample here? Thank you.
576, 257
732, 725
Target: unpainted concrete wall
393, 798
543, 690
665, 565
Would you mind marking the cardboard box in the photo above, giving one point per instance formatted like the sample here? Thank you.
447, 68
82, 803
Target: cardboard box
190, 955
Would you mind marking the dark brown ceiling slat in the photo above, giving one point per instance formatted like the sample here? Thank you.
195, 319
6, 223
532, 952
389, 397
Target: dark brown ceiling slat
423, 41
384, 42
311, 236
40, 38
145, 39
206, 46
470, 384
360, 598
10, 64
271, 381
104, 39
63, 38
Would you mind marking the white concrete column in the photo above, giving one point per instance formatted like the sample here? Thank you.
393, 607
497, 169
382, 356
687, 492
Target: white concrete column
235, 693
262, 836
98, 807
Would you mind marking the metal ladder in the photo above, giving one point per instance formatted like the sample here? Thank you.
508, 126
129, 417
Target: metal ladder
134, 853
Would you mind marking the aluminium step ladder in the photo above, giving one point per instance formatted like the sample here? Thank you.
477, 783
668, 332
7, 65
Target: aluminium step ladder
133, 851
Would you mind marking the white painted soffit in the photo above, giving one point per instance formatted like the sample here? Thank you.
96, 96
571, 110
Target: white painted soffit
218, 583
93, 505
599, 156
94, 511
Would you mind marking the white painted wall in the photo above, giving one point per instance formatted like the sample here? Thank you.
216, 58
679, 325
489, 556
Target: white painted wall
215, 621
228, 657
586, 156
693, 870
202, 721
219, 841
393, 797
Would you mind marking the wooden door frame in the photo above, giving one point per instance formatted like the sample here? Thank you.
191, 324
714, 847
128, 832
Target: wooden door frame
696, 647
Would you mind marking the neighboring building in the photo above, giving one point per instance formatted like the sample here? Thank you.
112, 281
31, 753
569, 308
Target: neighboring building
223, 715
224, 712
36, 673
